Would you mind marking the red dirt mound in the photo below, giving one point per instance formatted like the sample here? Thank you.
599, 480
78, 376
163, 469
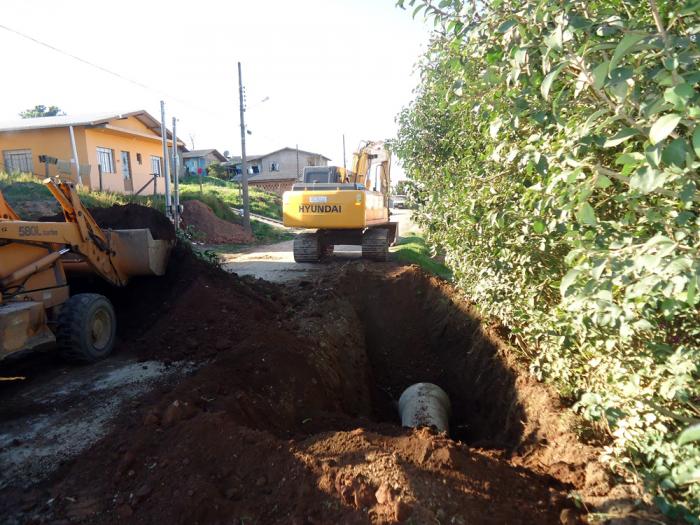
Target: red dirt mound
190, 311
127, 217
199, 216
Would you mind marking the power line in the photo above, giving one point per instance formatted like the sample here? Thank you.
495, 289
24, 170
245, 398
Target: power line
159, 92
75, 57
106, 70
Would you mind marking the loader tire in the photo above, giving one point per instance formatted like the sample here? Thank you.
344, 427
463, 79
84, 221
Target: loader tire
375, 244
307, 247
86, 328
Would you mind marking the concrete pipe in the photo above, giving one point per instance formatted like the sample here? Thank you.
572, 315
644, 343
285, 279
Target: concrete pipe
425, 405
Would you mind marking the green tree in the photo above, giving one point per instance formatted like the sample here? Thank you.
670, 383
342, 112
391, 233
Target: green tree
218, 170
41, 111
554, 148
401, 187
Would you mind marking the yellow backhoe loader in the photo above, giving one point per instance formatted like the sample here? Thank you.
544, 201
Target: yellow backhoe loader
343, 207
36, 261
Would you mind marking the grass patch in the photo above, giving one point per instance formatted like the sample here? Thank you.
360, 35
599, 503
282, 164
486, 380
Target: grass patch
24, 191
267, 234
261, 202
412, 249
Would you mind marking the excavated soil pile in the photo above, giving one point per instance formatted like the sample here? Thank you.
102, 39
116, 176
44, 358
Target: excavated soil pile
199, 216
289, 415
126, 217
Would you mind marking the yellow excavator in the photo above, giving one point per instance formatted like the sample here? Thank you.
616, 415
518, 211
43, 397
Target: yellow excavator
343, 207
36, 259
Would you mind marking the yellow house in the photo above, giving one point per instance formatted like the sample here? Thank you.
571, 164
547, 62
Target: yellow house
115, 152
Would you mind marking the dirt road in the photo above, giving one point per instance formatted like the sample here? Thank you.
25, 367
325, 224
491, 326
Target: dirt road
234, 400
275, 262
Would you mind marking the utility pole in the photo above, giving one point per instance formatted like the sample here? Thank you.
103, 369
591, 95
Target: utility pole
297, 161
176, 182
344, 166
244, 164
164, 167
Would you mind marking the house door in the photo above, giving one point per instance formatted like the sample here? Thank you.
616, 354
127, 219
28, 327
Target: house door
126, 172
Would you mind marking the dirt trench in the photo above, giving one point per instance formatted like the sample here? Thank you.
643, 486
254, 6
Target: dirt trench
290, 416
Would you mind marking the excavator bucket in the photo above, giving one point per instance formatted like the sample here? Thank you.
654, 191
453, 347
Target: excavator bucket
138, 253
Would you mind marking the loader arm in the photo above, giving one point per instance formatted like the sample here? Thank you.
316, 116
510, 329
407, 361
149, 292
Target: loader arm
80, 233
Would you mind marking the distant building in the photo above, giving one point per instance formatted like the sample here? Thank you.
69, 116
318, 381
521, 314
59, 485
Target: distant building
198, 159
277, 171
127, 147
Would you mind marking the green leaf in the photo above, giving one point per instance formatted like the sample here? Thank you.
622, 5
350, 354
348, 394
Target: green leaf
568, 280
620, 137
627, 42
505, 26
631, 157
674, 153
547, 82
687, 193
696, 141
679, 95
600, 74
653, 155
647, 179
663, 127
602, 181
586, 214
692, 291
691, 476
690, 7
538, 227
692, 433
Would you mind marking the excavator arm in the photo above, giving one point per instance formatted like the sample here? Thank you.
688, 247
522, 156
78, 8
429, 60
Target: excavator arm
369, 155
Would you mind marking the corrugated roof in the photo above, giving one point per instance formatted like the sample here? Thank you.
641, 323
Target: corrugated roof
253, 158
203, 152
93, 119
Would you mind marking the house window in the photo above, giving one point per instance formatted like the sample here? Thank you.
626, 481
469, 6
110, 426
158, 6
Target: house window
155, 165
105, 158
18, 160
274, 166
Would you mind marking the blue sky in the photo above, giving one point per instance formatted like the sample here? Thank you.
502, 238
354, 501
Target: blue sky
328, 66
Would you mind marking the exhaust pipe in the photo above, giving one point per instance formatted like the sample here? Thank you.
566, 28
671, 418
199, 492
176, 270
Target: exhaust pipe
425, 405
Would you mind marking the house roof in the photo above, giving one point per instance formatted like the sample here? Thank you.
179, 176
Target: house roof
253, 158
203, 153
94, 119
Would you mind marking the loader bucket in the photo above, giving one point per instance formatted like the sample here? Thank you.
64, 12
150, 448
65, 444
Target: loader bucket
138, 253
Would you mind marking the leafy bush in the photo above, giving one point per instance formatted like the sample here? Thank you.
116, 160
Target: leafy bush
217, 170
554, 152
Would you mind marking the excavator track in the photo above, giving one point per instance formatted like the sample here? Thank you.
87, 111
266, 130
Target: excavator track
375, 244
307, 247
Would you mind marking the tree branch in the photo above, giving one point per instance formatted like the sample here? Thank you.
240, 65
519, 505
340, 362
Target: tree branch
664, 36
